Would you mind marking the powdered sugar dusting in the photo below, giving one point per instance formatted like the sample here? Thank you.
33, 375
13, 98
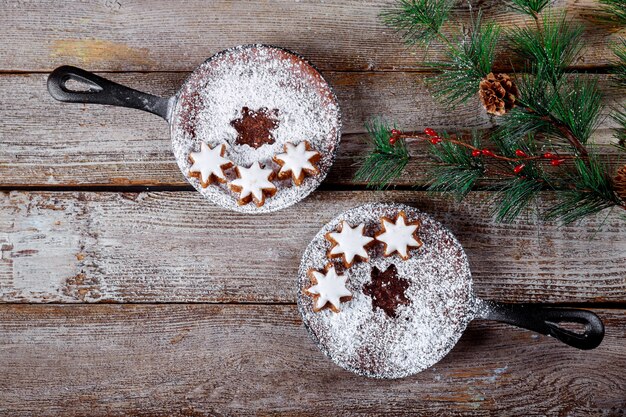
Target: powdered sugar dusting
256, 77
367, 341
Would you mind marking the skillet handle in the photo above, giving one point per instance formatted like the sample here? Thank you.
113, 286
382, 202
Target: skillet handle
102, 91
547, 320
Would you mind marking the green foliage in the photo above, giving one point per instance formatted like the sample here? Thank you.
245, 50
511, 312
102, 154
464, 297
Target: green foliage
620, 133
457, 171
529, 7
548, 48
616, 9
577, 105
468, 62
513, 196
573, 104
385, 162
419, 21
592, 193
555, 112
620, 65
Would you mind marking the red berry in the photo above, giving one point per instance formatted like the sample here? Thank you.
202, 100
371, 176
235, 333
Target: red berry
435, 140
430, 132
487, 152
549, 155
521, 153
475, 153
557, 162
392, 140
518, 168
395, 132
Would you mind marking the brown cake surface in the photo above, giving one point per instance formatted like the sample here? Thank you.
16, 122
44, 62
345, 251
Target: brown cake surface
404, 315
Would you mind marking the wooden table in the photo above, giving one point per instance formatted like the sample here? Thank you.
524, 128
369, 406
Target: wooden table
113, 302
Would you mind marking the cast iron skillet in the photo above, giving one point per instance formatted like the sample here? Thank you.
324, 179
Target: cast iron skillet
365, 340
181, 111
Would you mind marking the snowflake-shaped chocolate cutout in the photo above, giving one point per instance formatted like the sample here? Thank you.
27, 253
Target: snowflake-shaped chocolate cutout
254, 128
387, 290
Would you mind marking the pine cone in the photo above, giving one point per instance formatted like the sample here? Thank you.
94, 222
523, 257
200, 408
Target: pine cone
498, 93
619, 183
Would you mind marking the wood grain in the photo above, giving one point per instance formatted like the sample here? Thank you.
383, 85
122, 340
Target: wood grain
176, 247
47, 143
142, 35
206, 360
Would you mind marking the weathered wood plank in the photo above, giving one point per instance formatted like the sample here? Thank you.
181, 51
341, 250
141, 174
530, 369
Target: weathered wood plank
176, 247
46, 143
201, 360
141, 35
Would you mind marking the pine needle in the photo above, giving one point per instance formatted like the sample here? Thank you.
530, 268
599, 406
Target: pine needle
578, 105
385, 162
467, 63
419, 21
550, 48
529, 7
620, 132
457, 171
617, 10
514, 195
593, 192
619, 72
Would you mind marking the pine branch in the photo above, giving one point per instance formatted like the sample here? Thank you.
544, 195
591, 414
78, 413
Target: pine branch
529, 7
514, 196
593, 192
616, 9
577, 106
619, 73
385, 161
469, 61
550, 47
419, 21
458, 171
620, 132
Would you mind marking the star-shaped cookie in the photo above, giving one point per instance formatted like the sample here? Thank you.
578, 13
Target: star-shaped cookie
297, 161
349, 243
253, 184
399, 235
208, 165
328, 289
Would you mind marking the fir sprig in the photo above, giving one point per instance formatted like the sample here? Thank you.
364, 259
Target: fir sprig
619, 72
593, 192
385, 162
457, 170
619, 115
419, 21
529, 7
616, 9
468, 61
546, 116
550, 47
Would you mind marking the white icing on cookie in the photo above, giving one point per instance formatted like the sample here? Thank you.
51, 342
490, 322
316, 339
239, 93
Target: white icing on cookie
349, 243
209, 163
296, 160
253, 181
330, 288
398, 236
